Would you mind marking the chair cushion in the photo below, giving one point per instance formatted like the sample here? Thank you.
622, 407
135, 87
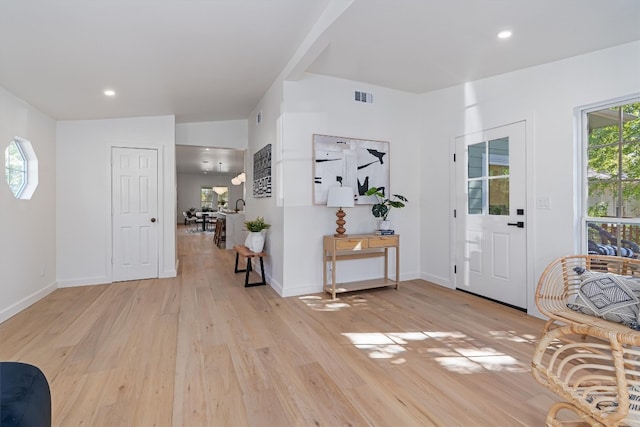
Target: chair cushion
609, 296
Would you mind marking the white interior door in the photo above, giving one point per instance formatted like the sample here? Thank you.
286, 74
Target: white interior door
134, 186
491, 247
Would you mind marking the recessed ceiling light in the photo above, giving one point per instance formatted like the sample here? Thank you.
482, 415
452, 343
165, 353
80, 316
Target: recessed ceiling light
110, 92
504, 34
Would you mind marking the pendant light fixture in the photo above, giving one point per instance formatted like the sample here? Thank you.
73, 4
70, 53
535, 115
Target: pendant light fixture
240, 178
219, 190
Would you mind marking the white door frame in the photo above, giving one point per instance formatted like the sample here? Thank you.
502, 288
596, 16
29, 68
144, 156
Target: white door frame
533, 271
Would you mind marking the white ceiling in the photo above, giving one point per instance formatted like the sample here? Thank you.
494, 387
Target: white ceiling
197, 59
214, 161
420, 46
203, 60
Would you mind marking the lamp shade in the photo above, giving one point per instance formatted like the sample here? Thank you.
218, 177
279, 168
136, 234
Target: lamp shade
340, 197
220, 190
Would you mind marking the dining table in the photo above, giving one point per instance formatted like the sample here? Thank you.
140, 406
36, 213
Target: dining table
204, 216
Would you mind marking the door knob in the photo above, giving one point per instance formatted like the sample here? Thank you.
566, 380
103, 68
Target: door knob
519, 224
153, 220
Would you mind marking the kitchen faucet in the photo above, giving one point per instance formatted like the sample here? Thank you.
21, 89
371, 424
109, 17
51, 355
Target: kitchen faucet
243, 204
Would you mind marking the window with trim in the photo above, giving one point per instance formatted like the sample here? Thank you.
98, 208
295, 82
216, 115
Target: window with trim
206, 197
21, 168
488, 177
612, 179
212, 197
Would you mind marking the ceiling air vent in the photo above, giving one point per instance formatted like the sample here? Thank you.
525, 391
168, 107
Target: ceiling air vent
364, 97
259, 117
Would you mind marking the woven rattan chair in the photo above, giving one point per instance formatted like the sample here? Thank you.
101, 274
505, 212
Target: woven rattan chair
592, 363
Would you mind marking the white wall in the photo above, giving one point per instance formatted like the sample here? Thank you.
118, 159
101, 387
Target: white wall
189, 186
220, 134
547, 97
268, 132
84, 193
27, 227
324, 105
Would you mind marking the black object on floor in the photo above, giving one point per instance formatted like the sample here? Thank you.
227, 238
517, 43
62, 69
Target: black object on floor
25, 397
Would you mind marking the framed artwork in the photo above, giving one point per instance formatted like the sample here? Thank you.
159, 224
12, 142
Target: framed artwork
262, 172
356, 163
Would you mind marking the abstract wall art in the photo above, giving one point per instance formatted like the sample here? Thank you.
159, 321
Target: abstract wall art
350, 162
262, 172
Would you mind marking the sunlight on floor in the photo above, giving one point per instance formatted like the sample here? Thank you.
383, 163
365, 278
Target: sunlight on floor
454, 350
321, 304
512, 336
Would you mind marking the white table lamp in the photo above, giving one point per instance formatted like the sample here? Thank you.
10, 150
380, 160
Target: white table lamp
340, 197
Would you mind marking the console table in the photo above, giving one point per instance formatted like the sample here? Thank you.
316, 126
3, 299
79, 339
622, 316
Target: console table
359, 247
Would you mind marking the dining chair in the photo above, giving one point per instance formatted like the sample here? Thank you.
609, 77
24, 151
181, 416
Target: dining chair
219, 235
211, 222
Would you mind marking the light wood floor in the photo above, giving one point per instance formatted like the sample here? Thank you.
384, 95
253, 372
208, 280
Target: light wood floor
201, 350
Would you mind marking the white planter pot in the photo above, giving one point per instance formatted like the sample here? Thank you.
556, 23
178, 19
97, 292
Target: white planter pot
255, 241
384, 225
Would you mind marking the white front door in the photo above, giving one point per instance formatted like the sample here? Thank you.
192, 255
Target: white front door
490, 244
134, 189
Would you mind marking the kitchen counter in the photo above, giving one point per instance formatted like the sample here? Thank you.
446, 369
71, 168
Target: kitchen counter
234, 226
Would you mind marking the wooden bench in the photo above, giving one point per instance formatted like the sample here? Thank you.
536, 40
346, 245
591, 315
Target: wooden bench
591, 362
242, 250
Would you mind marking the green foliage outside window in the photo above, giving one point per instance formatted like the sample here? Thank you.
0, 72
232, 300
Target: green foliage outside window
206, 198
614, 162
15, 168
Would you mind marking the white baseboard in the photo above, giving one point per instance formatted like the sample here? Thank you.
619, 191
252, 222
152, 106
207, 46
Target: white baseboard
409, 276
87, 281
302, 290
438, 280
275, 285
26, 302
168, 274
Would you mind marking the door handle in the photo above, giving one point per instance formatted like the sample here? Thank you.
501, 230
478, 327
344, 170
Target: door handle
153, 220
519, 224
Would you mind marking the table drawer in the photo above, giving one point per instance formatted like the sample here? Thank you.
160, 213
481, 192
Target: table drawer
351, 244
383, 241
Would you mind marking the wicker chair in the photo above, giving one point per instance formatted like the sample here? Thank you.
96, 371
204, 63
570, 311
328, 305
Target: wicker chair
592, 363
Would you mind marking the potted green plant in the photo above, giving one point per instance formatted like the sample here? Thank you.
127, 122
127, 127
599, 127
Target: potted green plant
257, 229
384, 204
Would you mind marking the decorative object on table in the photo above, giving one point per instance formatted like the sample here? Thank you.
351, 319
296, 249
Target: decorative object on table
257, 230
385, 232
350, 162
262, 172
340, 197
382, 207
